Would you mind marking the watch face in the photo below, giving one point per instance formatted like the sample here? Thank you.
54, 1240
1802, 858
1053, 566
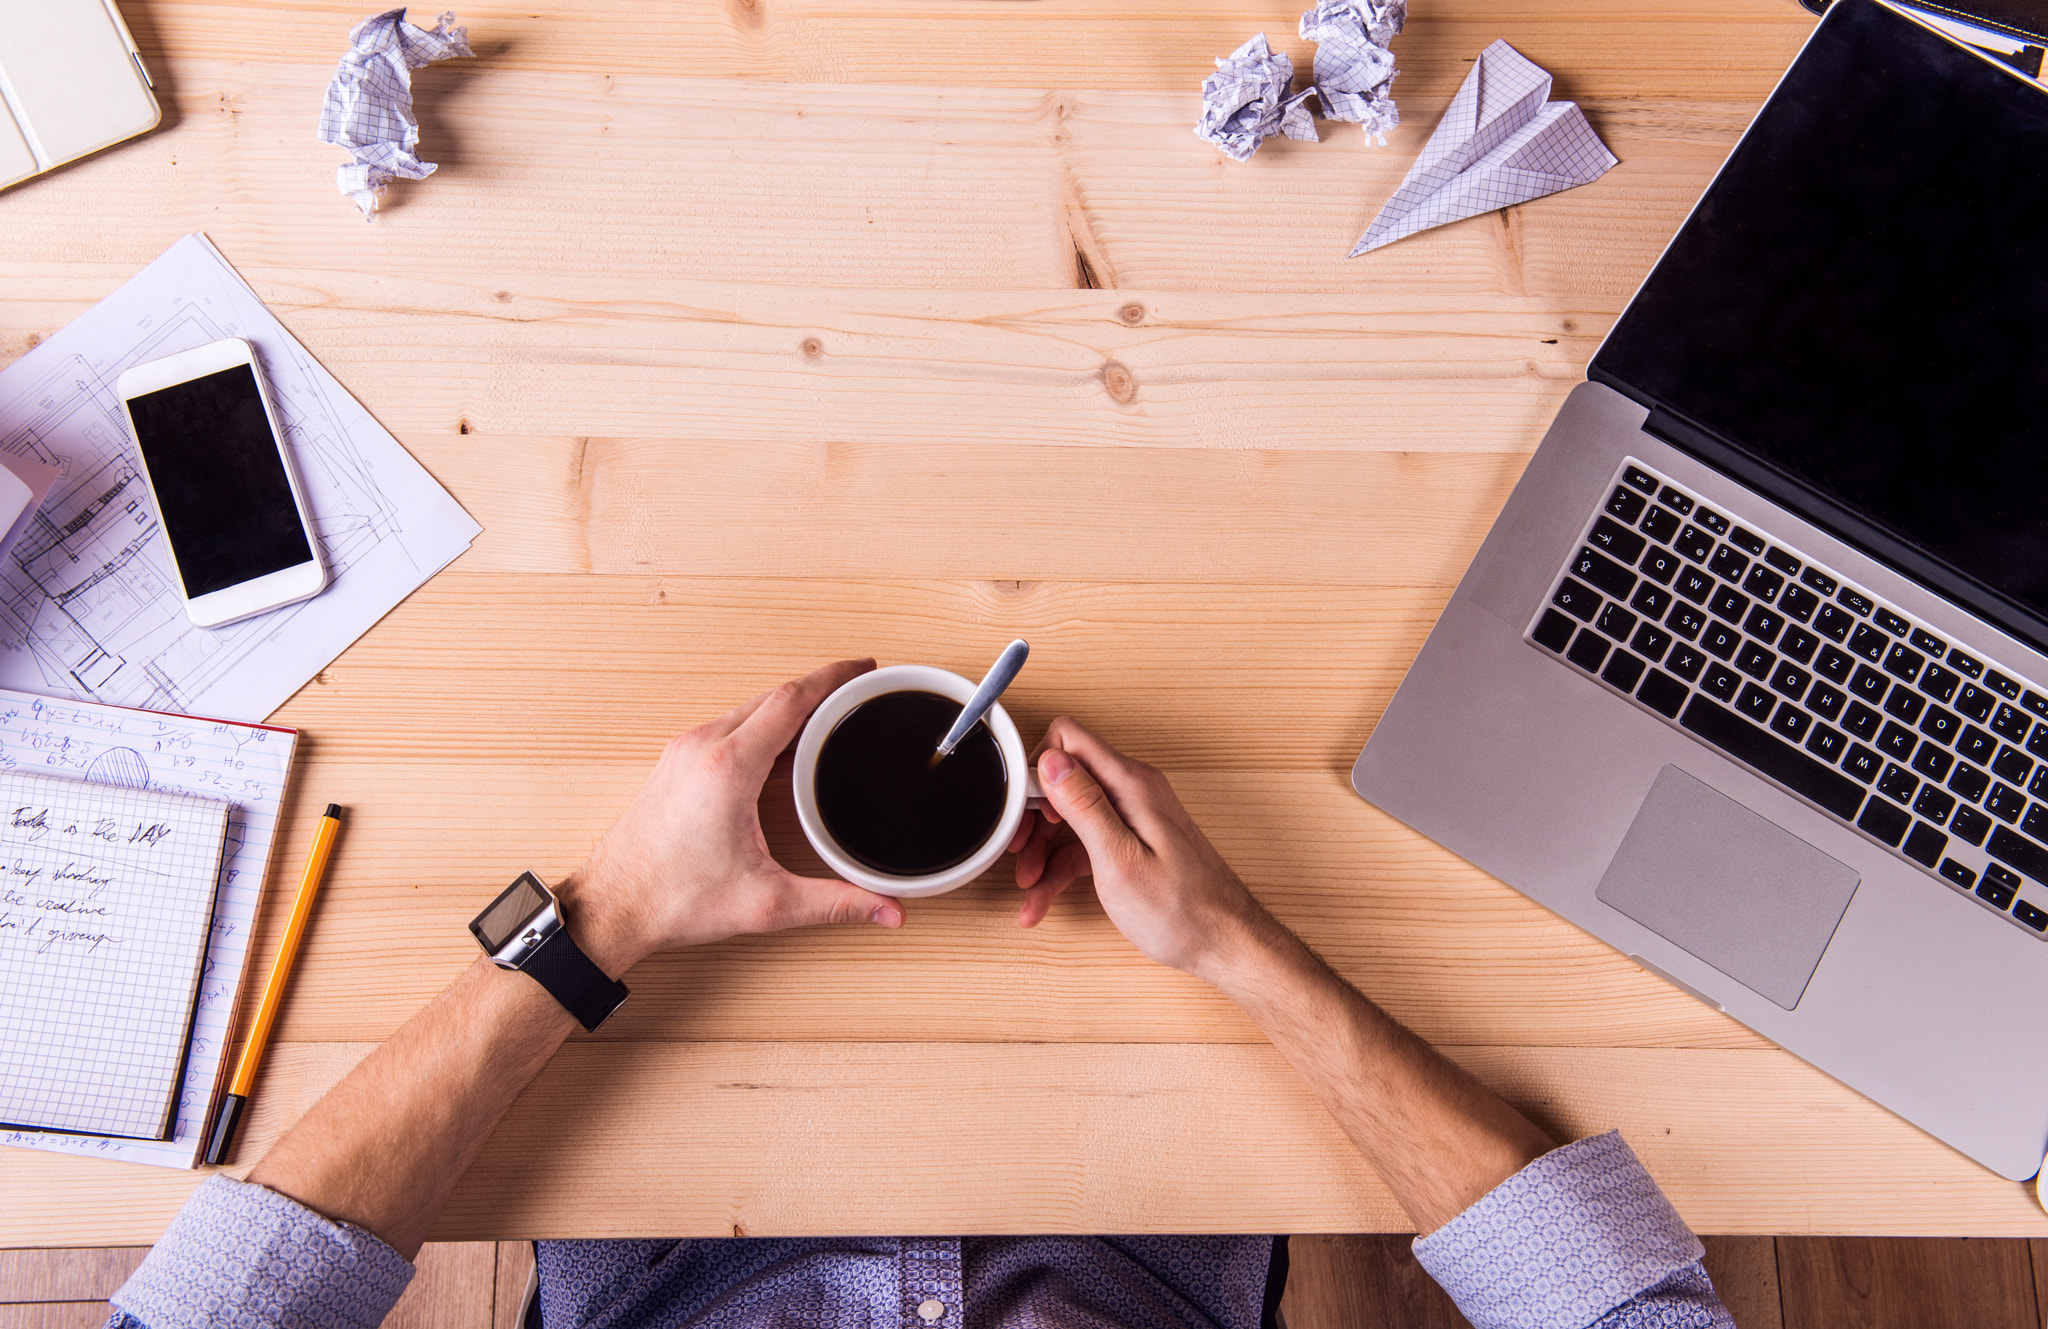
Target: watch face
502, 919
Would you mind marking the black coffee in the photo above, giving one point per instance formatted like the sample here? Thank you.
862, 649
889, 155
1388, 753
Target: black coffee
884, 801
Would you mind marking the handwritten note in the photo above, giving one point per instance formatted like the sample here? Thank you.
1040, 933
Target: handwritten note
114, 749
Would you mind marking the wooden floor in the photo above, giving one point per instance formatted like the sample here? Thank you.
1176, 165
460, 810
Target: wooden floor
1337, 1282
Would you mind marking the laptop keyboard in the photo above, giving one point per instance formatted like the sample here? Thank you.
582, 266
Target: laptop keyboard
1771, 659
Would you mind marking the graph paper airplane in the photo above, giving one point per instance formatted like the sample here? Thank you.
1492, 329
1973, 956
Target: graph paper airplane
1501, 142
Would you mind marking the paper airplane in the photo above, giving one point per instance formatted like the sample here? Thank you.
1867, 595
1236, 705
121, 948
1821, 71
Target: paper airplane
1502, 142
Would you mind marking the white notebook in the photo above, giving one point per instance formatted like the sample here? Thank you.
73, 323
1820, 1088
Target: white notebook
71, 83
106, 897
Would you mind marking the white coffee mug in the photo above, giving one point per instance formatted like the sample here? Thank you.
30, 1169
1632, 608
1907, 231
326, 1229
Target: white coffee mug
1017, 795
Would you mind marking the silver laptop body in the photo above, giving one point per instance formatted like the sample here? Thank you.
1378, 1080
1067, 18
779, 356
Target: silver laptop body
1676, 750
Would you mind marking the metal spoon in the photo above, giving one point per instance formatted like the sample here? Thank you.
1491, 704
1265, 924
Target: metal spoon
992, 684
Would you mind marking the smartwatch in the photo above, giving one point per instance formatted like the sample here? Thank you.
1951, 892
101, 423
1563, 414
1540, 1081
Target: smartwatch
522, 929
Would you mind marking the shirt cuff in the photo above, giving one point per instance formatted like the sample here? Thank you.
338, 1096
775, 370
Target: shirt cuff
240, 1255
1561, 1243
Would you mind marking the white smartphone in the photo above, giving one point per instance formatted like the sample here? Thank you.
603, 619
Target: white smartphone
227, 498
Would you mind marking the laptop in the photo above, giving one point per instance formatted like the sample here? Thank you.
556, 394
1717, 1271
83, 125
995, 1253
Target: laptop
1750, 678
71, 83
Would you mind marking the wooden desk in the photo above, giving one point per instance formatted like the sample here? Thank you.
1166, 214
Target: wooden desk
762, 332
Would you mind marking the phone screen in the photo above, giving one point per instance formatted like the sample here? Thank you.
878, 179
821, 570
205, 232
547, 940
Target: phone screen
221, 488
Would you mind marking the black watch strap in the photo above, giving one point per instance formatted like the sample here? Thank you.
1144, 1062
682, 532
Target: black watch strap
572, 978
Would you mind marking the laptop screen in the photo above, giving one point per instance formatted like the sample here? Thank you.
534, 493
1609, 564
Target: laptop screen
1860, 301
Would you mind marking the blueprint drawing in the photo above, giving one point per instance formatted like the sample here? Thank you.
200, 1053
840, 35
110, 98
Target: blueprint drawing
89, 608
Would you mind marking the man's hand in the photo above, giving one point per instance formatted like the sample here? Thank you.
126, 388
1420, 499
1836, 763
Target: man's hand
1158, 877
687, 863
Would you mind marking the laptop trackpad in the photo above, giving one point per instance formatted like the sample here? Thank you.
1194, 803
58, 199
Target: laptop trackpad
1735, 890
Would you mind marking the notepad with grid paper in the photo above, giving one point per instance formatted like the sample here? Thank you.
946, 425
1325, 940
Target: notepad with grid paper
106, 898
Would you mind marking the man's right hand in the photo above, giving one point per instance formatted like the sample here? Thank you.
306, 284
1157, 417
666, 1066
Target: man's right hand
1159, 879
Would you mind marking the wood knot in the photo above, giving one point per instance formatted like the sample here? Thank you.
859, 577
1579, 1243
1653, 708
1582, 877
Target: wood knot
1117, 379
502, 297
1571, 325
464, 427
813, 348
1132, 313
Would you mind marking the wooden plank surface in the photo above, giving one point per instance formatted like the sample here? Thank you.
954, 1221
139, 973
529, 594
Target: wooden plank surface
761, 332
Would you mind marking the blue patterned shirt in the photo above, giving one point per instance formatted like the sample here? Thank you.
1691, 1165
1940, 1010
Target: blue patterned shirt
1580, 1239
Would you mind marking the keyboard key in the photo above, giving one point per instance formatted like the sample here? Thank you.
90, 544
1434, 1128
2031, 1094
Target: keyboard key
1720, 640
1869, 685
1969, 781
1799, 644
1662, 693
1712, 520
1650, 601
2035, 702
1581, 602
1764, 624
1763, 583
1924, 844
1677, 502
1933, 762
1968, 664
1602, 572
1773, 757
1626, 504
1659, 524
1686, 621
1862, 721
1890, 622
1722, 681
1616, 541
1976, 745
1825, 743
2035, 823
1617, 622
1940, 725
1904, 703
1782, 561
1825, 700
1897, 783
1798, 603
1928, 642
2004, 802
1831, 622
2038, 786
1862, 763
1750, 542
1755, 702
1686, 662
2037, 741
1660, 565
1694, 543
1934, 805
2010, 722
1729, 603
1754, 660
1818, 580
1897, 741
2000, 886
1865, 641
1728, 563
1858, 603
1623, 670
1834, 664
2002, 685
2007, 847
1885, 822
1694, 585
1902, 661
1975, 702
1790, 723
1962, 876
1589, 652
1940, 683
1789, 680
2037, 919
1553, 630
1651, 642
1969, 825
1640, 478
2012, 765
